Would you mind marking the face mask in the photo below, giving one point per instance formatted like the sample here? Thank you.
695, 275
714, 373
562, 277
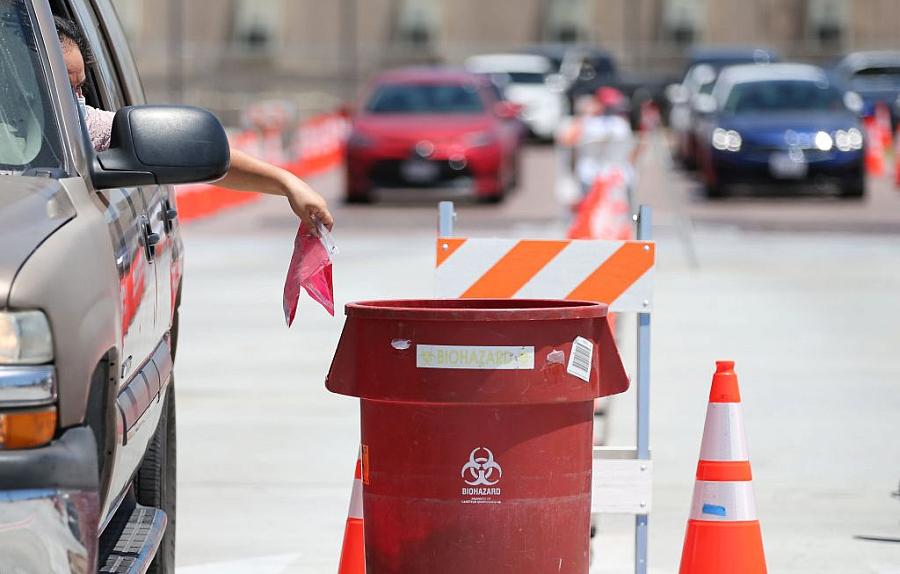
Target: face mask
82, 105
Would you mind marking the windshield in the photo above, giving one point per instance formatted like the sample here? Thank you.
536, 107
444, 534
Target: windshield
782, 96
526, 77
876, 77
426, 99
29, 137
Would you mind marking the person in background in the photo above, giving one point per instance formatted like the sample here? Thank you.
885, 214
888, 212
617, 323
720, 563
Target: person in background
246, 173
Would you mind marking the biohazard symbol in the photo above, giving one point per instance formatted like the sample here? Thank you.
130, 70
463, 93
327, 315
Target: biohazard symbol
480, 469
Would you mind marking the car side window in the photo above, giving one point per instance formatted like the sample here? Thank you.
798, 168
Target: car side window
29, 133
101, 71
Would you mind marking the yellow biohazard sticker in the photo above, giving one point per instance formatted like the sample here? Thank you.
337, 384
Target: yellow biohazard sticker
474, 357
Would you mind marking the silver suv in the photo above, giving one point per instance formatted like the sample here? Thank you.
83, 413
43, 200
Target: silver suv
90, 283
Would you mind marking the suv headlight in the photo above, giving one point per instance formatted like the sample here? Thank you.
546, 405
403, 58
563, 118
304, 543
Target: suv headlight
27, 383
848, 140
25, 338
726, 140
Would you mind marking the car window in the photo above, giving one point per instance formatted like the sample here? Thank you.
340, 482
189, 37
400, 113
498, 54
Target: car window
707, 88
526, 77
29, 134
426, 99
876, 77
783, 95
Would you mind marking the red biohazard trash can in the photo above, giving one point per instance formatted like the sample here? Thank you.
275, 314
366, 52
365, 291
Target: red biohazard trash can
477, 423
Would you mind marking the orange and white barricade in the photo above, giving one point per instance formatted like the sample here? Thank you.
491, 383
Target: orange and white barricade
618, 273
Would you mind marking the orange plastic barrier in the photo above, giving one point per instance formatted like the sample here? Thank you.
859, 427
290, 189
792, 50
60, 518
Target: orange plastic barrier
319, 146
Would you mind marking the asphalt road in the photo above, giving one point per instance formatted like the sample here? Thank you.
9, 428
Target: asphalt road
802, 292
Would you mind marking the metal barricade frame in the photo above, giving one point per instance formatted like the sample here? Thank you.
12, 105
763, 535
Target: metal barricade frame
622, 482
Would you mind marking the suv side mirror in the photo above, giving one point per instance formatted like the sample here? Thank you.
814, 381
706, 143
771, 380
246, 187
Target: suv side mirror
162, 145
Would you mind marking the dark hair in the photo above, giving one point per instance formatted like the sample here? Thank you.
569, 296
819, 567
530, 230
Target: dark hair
69, 32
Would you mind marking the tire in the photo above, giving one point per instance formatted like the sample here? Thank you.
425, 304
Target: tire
853, 188
491, 199
357, 199
154, 484
714, 190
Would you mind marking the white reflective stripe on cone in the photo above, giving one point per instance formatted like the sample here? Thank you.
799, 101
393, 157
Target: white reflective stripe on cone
723, 433
723, 501
356, 500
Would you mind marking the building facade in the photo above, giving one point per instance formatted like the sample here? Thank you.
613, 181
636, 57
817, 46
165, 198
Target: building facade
224, 53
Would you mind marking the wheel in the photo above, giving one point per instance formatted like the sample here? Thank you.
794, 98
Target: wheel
357, 199
854, 187
491, 199
714, 190
154, 484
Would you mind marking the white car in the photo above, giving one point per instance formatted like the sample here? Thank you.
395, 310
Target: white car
530, 81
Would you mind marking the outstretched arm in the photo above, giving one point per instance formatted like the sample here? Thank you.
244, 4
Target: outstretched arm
248, 173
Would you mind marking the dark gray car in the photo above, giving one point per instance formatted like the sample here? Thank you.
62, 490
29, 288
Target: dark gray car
90, 277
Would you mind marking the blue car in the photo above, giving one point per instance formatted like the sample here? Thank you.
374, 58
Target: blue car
780, 123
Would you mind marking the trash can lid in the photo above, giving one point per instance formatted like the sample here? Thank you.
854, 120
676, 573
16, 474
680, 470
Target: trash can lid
477, 309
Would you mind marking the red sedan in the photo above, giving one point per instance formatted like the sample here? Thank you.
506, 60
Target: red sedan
433, 128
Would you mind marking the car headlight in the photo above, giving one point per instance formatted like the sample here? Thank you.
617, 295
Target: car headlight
25, 338
823, 141
479, 139
726, 140
848, 140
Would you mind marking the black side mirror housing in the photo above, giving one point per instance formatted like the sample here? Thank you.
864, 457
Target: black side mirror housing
162, 145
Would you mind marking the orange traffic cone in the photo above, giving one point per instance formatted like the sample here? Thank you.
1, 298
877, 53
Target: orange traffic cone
603, 214
883, 122
723, 533
874, 148
897, 157
353, 552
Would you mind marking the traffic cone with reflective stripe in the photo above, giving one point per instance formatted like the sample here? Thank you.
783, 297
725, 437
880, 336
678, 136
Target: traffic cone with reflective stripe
874, 155
897, 157
353, 552
723, 533
883, 121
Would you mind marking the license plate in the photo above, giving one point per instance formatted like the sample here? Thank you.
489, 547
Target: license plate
416, 171
788, 165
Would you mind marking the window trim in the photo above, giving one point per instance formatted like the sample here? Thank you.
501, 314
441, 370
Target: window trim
64, 114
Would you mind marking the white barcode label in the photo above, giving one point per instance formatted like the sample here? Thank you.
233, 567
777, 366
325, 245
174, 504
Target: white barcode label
580, 359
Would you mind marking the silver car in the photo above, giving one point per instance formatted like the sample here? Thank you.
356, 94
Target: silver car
90, 283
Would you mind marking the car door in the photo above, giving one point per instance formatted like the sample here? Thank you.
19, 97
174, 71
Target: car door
160, 200
135, 242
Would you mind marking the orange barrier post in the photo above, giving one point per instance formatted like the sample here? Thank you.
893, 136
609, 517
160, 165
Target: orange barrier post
353, 552
874, 148
723, 533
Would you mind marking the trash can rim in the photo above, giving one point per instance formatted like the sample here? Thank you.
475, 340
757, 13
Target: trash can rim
476, 309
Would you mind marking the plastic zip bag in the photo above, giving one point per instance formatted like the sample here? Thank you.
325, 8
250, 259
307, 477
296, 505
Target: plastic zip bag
310, 269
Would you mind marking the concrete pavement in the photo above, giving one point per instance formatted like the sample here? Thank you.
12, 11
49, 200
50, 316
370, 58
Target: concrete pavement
266, 455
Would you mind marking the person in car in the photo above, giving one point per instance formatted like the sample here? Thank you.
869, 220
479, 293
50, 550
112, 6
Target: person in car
246, 173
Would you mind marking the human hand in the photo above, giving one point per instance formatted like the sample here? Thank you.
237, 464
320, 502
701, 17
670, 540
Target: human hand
307, 204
